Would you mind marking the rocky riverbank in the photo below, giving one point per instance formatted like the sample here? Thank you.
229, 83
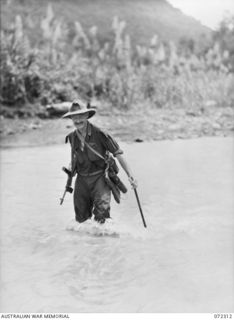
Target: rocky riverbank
130, 126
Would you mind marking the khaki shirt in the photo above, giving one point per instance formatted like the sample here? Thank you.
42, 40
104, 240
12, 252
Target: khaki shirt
85, 161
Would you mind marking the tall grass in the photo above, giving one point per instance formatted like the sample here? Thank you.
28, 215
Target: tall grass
66, 62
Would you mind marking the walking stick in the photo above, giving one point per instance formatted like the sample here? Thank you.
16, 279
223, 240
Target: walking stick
139, 205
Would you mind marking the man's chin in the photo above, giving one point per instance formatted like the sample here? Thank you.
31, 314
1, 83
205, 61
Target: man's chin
79, 127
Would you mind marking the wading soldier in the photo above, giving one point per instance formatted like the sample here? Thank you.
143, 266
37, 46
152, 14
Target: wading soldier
89, 148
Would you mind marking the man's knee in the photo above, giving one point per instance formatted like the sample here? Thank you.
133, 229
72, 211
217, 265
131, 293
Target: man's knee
102, 208
82, 215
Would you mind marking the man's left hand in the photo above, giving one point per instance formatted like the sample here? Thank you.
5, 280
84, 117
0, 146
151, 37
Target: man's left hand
133, 182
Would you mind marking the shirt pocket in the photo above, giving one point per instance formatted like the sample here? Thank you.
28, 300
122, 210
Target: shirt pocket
91, 155
77, 158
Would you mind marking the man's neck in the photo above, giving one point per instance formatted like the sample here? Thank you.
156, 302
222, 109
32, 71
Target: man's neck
83, 131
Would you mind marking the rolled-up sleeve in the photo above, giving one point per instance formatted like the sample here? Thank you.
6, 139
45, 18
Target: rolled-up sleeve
110, 144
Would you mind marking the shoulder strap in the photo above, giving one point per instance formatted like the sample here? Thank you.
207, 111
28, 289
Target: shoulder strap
94, 151
91, 149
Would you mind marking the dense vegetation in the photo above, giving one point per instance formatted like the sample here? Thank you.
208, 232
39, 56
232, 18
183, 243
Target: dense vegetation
66, 61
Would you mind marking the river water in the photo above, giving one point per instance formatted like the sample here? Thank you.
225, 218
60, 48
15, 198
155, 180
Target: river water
183, 261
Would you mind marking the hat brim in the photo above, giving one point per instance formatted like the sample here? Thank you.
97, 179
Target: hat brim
91, 113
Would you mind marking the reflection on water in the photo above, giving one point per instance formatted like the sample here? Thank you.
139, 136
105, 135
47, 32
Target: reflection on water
183, 261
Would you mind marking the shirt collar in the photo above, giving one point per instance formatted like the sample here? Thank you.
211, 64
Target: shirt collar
89, 128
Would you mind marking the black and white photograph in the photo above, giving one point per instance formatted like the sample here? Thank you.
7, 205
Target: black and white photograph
117, 159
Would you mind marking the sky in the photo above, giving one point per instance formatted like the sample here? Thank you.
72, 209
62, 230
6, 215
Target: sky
208, 12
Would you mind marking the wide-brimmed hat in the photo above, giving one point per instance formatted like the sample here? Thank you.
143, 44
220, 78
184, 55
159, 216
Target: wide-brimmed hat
79, 106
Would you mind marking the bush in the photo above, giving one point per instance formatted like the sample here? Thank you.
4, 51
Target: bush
67, 62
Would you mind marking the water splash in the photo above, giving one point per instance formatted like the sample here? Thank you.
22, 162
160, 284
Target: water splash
93, 228
112, 228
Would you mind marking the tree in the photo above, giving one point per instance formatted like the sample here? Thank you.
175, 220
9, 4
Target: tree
224, 36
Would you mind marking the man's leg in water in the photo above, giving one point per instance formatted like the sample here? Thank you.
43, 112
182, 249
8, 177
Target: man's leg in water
101, 195
82, 201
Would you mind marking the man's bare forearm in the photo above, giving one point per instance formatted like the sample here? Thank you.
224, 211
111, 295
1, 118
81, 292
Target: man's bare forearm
127, 169
124, 165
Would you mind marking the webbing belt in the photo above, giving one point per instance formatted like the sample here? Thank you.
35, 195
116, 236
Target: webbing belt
90, 174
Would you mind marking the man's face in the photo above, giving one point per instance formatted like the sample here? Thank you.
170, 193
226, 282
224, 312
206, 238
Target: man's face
80, 120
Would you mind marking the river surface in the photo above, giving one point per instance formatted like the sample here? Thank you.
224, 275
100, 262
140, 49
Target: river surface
183, 261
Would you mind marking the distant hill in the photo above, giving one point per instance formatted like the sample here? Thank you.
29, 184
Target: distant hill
144, 18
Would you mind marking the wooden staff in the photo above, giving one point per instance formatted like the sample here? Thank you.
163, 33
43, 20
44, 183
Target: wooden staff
139, 205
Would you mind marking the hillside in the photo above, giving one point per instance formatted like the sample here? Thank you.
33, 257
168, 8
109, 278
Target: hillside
144, 18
